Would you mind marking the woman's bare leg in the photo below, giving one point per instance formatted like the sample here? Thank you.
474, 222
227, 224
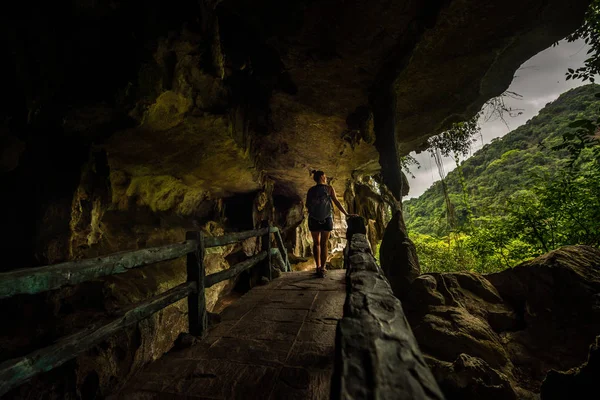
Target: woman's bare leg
316, 248
324, 242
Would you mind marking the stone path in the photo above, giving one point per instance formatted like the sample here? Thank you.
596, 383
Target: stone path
276, 342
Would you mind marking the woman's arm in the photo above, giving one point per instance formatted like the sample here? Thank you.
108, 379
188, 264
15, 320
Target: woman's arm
337, 202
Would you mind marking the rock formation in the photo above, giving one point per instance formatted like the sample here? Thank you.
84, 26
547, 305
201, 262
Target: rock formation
377, 355
497, 336
399, 256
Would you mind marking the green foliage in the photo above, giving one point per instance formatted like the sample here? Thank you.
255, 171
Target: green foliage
517, 197
406, 162
494, 245
584, 137
590, 33
471, 253
456, 140
445, 254
586, 129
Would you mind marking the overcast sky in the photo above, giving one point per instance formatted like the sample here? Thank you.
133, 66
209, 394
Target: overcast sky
539, 80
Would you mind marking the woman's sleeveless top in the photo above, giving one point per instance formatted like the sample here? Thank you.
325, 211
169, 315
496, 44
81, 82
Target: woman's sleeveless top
318, 202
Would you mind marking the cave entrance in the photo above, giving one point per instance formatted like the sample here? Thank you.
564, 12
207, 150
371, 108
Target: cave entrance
538, 81
492, 192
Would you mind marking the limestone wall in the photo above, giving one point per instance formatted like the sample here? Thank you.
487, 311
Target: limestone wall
101, 220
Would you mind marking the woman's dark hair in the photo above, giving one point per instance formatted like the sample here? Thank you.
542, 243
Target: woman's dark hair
317, 175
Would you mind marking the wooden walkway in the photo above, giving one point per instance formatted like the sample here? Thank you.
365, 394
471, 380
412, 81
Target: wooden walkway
276, 342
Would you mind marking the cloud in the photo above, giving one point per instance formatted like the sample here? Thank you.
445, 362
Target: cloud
541, 102
539, 81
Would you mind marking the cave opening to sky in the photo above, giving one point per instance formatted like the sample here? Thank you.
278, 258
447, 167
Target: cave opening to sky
539, 81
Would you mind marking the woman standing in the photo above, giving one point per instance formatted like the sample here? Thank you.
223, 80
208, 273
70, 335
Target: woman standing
319, 201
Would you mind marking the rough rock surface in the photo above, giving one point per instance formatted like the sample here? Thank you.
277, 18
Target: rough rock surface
398, 256
377, 355
576, 383
497, 336
366, 197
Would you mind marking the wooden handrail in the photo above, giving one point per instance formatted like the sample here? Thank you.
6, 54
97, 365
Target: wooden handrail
217, 277
229, 238
17, 371
35, 280
41, 279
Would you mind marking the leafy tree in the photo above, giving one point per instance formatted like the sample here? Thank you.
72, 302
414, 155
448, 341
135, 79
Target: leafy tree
583, 137
406, 162
590, 33
447, 254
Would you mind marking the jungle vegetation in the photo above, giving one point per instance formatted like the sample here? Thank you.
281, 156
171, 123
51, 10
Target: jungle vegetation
522, 195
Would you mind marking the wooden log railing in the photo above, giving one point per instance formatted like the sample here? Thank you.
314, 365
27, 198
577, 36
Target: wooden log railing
377, 355
41, 279
36, 280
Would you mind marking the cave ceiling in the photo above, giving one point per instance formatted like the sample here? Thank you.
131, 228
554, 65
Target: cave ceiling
443, 59
215, 97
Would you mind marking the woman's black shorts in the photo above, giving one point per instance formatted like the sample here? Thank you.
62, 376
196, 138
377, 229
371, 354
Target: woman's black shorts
319, 226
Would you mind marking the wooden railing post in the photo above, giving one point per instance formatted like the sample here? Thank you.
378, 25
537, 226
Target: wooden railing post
283, 250
195, 273
266, 245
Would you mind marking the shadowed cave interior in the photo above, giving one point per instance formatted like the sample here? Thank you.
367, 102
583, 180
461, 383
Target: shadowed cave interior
126, 124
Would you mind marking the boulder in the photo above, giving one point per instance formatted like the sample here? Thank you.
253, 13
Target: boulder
497, 336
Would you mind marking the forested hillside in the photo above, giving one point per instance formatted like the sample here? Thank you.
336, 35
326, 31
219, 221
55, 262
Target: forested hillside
515, 198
